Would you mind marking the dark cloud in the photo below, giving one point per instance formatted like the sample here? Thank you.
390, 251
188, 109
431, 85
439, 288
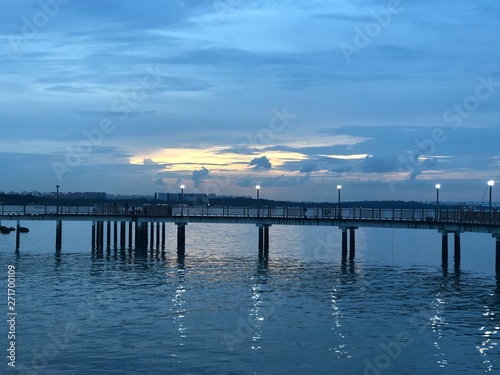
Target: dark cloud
260, 163
240, 149
315, 164
199, 175
159, 182
381, 164
313, 150
246, 181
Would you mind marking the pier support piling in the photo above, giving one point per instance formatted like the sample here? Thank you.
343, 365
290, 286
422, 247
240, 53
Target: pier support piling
18, 235
137, 234
58, 235
141, 236
163, 235
261, 239
497, 260
130, 231
144, 243
137, 237
101, 239
93, 235
344, 243
115, 234
352, 242
108, 235
444, 248
97, 233
457, 251
266, 239
158, 235
152, 235
181, 238
122, 234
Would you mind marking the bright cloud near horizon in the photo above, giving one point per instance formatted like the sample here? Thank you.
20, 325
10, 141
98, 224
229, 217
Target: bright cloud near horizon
386, 98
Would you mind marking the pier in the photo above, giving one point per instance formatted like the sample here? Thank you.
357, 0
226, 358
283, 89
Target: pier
147, 223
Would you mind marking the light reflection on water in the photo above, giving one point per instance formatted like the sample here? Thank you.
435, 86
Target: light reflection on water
222, 310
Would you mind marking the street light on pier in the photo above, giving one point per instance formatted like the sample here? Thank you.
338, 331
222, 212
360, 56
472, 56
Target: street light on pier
490, 184
438, 186
182, 199
339, 187
257, 188
57, 199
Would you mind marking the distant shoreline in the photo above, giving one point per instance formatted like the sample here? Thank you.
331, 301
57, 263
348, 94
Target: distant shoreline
26, 199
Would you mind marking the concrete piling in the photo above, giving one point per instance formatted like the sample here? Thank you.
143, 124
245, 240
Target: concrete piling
444, 249
352, 242
344, 243
122, 234
18, 235
58, 235
181, 238
457, 251
108, 235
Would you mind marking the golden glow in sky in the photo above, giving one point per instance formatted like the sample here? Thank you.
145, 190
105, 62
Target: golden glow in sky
214, 158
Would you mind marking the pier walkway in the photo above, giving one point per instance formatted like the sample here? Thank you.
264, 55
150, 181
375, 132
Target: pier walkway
146, 223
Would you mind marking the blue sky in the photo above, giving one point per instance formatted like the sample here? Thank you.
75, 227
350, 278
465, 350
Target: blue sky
386, 98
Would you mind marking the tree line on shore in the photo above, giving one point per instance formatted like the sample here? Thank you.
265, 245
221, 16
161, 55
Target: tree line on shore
29, 199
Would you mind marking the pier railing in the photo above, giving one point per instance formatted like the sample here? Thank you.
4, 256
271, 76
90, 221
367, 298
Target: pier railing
472, 216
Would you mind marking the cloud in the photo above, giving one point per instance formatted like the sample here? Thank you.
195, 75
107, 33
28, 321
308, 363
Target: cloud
159, 182
114, 114
199, 176
260, 163
381, 164
71, 89
181, 84
221, 77
276, 181
342, 17
321, 163
246, 181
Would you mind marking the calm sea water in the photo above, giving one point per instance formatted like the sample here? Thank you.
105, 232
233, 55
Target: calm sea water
221, 310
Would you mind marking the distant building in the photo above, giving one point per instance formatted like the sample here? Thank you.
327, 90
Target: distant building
83, 195
188, 197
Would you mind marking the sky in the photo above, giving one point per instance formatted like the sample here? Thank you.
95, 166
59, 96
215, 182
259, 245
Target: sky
386, 98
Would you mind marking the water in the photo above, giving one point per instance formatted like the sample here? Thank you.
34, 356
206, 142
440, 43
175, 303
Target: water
220, 310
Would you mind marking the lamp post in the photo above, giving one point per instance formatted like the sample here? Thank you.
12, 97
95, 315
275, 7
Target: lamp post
57, 199
182, 199
257, 188
490, 184
438, 186
339, 187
